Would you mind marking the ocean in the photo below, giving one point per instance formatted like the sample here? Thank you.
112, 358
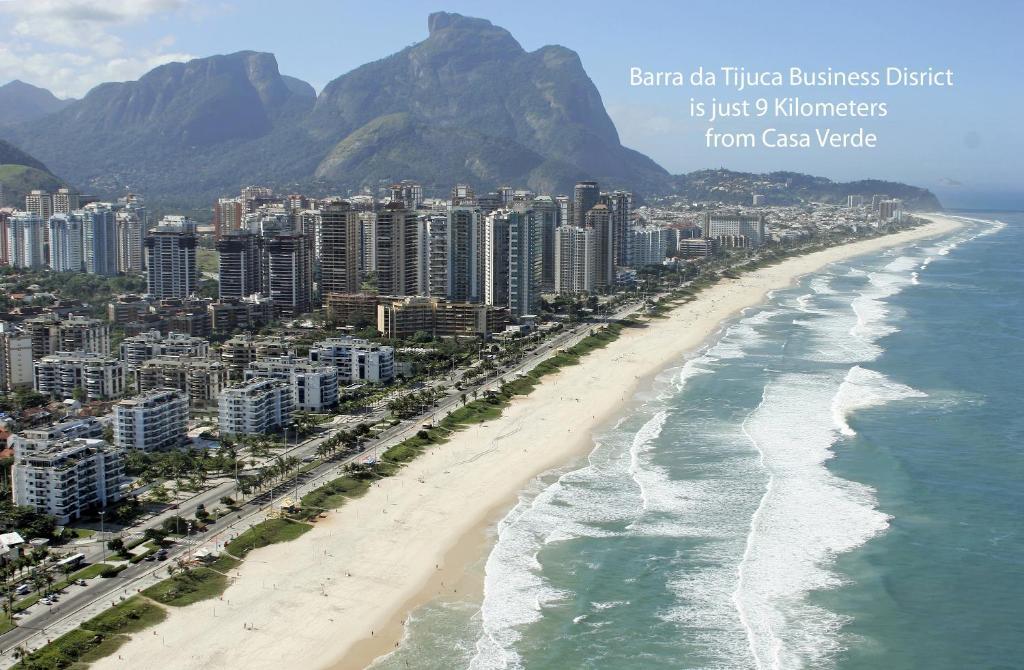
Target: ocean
835, 481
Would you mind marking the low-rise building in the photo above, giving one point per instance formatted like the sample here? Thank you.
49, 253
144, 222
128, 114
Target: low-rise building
357, 360
127, 308
51, 334
255, 407
242, 349
86, 426
68, 477
695, 248
139, 348
314, 385
228, 316
154, 421
201, 379
99, 377
405, 317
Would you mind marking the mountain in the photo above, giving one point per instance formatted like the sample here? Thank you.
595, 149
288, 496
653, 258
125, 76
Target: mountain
23, 102
789, 188
182, 131
466, 104
21, 173
470, 85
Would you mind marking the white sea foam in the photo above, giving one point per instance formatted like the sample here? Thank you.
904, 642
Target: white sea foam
864, 388
807, 516
578, 504
820, 284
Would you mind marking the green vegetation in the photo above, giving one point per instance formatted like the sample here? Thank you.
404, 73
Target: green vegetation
188, 587
18, 180
208, 260
81, 533
224, 563
332, 495
269, 532
131, 616
26, 521
95, 290
97, 637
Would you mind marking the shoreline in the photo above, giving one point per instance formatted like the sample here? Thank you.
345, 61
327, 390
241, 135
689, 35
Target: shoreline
338, 596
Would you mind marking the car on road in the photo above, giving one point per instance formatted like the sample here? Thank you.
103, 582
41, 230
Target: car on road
23, 590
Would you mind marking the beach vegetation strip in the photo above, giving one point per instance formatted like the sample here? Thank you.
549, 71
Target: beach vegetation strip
187, 587
98, 637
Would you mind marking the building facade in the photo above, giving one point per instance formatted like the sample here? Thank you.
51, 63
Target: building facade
67, 478
314, 385
171, 270
255, 407
357, 360
91, 376
154, 421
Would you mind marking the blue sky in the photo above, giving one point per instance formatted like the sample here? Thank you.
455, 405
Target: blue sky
958, 141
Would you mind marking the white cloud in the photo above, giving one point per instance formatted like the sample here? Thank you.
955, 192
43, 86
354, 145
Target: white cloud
69, 46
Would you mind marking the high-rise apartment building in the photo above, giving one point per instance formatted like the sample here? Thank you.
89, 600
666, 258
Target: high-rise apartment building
437, 255
620, 211
287, 275
137, 349
526, 263
314, 385
398, 246
496, 258
356, 360
340, 248
51, 334
25, 240
648, 245
99, 239
546, 212
239, 268
227, 215
407, 192
67, 253
65, 201
39, 203
576, 253
598, 219
462, 273
463, 195
130, 227
171, 270
585, 196
200, 379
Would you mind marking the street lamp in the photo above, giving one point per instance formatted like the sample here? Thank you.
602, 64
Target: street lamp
103, 513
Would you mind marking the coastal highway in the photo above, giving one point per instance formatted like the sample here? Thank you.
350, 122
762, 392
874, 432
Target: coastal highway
40, 623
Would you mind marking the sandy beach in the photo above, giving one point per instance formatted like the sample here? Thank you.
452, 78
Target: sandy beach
337, 597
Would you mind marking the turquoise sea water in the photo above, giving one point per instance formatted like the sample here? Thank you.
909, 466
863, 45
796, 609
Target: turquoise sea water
834, 482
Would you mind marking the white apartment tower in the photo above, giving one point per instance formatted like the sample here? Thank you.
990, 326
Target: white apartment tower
154, 421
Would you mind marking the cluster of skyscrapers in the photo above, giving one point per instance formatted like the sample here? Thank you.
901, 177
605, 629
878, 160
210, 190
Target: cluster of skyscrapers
503, 249
66, 232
